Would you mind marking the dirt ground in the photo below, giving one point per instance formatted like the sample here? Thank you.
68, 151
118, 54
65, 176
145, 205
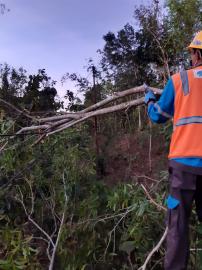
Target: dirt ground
128, 158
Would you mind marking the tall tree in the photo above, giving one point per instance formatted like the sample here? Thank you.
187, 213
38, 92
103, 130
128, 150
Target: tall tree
34, 92
182, 30
40, 93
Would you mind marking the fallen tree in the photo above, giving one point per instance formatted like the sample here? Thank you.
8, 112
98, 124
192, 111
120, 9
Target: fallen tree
50, 125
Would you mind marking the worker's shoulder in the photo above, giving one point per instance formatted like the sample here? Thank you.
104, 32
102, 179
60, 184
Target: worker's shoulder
181, 73
176, 76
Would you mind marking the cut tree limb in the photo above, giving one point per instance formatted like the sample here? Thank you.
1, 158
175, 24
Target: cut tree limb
119, 107
54, 124
114, 97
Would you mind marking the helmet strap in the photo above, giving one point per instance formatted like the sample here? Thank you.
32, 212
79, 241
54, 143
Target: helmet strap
198, 58
199, 54
195, 63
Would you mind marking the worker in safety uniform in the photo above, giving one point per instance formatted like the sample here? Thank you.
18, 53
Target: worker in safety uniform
182, 100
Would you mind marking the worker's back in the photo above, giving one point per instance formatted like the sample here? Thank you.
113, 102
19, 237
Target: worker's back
187, 122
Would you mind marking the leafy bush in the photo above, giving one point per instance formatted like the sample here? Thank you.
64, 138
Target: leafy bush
111, 228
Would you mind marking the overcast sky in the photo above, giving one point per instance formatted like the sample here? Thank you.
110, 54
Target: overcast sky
59, 35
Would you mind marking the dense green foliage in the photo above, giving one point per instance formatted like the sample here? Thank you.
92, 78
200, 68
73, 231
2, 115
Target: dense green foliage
104, 227
56, 196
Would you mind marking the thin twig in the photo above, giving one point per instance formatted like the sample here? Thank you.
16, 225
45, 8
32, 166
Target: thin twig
156, 248
60, 228
114, 229
152, 200
31, 219
3, 147
146, 177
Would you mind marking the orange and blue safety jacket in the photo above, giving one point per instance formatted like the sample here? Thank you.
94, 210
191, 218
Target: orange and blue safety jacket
181, 100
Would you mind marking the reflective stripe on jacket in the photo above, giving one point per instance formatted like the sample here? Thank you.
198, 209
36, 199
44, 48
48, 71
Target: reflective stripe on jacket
186, 139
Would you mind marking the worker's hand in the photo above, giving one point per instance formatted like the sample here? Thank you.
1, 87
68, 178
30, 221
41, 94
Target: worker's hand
149, 96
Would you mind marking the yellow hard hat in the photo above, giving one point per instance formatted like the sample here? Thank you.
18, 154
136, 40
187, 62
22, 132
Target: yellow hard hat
197, 41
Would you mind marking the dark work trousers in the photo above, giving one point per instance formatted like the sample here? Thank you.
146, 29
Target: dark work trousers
186, 187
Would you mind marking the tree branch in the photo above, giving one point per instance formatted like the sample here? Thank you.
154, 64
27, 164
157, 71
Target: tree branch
65, 121
13, 108
152, 200
156, 248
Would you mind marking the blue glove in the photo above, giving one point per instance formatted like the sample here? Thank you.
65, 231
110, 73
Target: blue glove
149, 96
172, 203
